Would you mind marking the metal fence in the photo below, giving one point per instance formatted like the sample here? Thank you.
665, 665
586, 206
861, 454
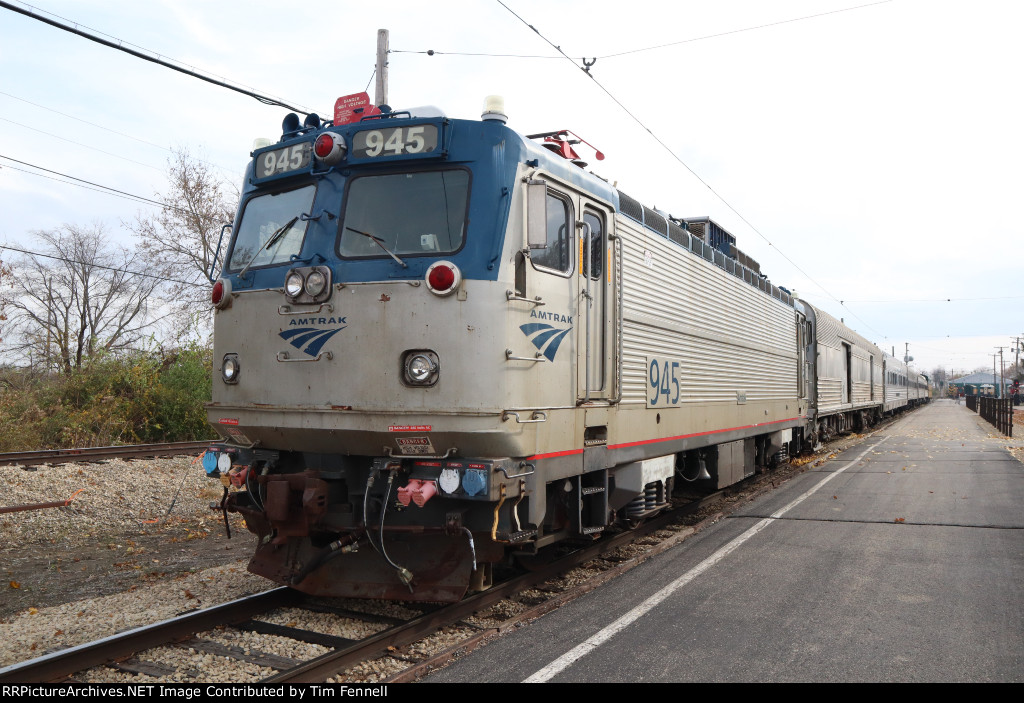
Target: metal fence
999, 412
972, 402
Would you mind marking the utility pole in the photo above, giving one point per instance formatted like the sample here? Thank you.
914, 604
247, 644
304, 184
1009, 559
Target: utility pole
49, 326
994, 374
380, 94
1001, 370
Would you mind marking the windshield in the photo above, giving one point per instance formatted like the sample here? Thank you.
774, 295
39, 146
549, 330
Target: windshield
265, 216
405, 214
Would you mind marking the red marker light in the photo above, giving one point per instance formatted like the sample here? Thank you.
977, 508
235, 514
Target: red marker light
441, 278
329, 149
220, 296
323, 145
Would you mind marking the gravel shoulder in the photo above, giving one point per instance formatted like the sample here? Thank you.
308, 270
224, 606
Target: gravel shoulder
138, 543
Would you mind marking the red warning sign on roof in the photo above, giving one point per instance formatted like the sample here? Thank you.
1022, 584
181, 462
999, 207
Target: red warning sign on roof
352, 108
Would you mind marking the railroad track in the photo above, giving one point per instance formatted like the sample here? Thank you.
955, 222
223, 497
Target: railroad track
128, 451
138, 652
128, 652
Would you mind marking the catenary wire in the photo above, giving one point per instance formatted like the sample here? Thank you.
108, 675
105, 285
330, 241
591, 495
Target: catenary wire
152, 57
112, 191
686, 166
745, 29
66, 260
432, 52
100, 189
71, 141
112, 131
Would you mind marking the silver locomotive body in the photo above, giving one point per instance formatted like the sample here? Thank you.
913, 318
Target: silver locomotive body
449, 346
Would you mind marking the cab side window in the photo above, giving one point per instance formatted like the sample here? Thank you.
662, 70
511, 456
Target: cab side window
593, 267
557, 255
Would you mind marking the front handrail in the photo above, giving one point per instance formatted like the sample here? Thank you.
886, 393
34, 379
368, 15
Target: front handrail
511, 295
286, 310
509, 356
535, 416
283, 357
391, 455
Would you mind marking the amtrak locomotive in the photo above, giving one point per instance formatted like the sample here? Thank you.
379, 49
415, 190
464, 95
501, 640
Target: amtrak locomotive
441, 345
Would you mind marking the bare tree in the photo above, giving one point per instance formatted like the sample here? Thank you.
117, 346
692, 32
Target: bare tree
77, 297
183, 237
5, 282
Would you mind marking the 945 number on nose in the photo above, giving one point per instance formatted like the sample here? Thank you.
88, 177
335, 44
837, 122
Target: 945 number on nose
664, 389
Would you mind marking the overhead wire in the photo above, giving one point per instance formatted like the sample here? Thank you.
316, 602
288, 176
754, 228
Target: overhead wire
151, 56
108, 191
432, 52
156, 58
745, 29
707, 185
105, 189
67, 260
100, 189
108, 129
72, 141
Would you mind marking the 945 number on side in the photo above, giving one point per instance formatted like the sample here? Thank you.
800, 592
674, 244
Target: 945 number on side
664, 389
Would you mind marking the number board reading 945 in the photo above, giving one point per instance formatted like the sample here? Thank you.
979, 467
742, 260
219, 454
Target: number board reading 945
663, 382
285, 160
394, 141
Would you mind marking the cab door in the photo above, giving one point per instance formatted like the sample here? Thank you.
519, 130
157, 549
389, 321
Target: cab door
847, 361
594, 303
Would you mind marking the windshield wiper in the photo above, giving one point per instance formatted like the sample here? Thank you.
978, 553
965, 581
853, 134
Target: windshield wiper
271, 241
380, 243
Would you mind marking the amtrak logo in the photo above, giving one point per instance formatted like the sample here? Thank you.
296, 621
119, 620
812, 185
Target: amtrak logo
309, 339
545, 337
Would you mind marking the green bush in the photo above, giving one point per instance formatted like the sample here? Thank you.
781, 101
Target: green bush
144, 397
185, 385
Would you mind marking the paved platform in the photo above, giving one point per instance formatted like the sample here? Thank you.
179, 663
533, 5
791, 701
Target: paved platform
900, 559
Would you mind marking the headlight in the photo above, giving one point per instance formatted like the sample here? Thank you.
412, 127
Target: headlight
308, 285
293, 284
315, 283
230, 368
421, 368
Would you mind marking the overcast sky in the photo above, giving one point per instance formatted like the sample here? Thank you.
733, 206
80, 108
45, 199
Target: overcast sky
871, 154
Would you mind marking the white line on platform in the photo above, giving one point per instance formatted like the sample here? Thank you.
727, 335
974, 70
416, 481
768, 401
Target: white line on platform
581, 650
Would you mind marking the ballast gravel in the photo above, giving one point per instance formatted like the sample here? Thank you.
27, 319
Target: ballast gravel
37, 631
127, 520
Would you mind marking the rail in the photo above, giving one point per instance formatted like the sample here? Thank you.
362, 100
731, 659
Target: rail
128, 451
117, 650
63, 663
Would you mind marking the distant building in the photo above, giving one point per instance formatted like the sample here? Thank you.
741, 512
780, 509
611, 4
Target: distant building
980, 384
